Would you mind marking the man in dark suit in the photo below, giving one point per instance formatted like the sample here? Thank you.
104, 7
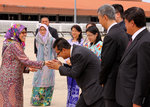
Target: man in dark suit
52, 31
119, 16
114, 45
133, 80
85, 70
119, 11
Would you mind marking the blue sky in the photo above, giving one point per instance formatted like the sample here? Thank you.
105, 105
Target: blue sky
146, 1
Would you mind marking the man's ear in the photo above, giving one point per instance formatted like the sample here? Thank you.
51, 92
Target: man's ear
63, 49
105, 17
132, 23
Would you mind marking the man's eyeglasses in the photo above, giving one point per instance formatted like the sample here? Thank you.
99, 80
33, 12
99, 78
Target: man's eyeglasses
59, 52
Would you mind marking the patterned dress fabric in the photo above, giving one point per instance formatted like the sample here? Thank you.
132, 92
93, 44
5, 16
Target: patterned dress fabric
73, 88
44, 79
12, 67
42, 96
97, 48
14, 61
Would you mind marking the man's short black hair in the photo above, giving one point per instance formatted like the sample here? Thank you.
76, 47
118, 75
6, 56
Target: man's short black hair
137, 15
43, 18
119, 8
61, 43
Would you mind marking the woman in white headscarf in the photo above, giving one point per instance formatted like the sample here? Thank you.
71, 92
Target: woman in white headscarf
43, 81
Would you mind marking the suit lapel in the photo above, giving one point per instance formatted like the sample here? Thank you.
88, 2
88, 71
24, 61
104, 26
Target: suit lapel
111, 30
113, 27
133, 44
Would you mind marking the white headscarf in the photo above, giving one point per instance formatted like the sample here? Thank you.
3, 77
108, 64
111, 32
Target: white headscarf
47, 32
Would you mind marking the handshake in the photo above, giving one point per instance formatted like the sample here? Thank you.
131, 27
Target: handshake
52, 64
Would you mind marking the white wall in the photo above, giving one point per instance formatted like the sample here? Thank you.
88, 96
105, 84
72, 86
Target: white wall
33, 25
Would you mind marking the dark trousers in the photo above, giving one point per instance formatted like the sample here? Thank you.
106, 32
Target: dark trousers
110, 103
81, 103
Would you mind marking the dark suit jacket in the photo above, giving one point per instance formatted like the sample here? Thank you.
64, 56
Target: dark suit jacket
122, 25
52, 31
133, 81
85, 70
113, 48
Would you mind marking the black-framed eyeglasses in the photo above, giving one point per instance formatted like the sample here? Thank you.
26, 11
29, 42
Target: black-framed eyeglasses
59, 52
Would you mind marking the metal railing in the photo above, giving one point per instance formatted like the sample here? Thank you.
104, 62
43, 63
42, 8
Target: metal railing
61, 34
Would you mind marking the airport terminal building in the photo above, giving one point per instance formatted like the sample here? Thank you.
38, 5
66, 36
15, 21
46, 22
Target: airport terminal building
61, 11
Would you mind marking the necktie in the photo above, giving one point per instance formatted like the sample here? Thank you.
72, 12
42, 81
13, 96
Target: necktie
129, 43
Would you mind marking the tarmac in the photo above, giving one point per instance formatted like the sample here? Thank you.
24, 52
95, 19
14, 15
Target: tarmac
60, 89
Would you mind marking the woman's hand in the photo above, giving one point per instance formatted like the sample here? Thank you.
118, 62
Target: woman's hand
32, 69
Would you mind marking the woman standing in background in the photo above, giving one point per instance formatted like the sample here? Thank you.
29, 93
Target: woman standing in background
44, 79
94, 38
73, 88
86, 41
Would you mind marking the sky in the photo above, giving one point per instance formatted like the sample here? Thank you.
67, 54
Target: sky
146, 1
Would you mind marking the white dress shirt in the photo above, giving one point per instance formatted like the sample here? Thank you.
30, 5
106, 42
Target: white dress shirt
137, 32
111, 26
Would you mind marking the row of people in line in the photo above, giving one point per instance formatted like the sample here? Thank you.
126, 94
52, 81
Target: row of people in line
121, 78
